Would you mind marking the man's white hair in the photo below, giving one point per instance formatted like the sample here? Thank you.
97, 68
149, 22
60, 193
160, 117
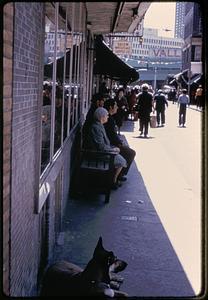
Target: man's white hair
99, 113
145, 87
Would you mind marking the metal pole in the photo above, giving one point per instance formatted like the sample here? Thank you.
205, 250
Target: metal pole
53, 104
189, 77
155, 78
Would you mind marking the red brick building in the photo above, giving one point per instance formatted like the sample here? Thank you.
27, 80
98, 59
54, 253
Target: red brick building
39, 137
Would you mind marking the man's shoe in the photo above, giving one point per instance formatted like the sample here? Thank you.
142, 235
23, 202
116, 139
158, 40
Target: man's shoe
119, 184
114, 186
122, 178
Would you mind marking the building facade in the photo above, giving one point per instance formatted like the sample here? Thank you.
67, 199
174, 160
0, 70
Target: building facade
48, 82
192, 54
153, 55
179, 19
192, 50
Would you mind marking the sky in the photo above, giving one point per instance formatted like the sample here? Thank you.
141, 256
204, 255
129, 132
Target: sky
161, 15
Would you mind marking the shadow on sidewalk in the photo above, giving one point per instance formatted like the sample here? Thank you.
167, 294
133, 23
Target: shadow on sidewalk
132, 229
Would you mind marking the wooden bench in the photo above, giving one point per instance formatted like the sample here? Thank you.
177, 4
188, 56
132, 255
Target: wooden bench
96, 172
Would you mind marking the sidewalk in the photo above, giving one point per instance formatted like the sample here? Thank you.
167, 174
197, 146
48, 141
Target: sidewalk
129, 226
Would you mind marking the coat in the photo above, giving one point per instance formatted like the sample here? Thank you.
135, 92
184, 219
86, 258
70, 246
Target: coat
144, 106
110, 128
98, 140
160, 102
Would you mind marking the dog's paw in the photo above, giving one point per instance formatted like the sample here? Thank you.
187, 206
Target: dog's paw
116, 277
119, 294
114, 285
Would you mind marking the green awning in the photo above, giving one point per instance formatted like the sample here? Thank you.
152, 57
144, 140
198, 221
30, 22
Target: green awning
110, 65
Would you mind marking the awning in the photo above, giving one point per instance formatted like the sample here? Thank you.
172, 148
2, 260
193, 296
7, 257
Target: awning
173, 82
196, 79
110, 65
182, 78
48, 68
181, 75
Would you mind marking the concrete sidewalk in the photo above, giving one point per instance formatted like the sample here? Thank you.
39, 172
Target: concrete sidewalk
129, 226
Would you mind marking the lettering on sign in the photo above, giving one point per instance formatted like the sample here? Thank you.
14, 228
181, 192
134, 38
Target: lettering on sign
122, 47
166, 52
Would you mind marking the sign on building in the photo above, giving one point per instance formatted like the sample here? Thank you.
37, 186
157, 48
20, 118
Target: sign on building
121, 47
140, 28
165, 52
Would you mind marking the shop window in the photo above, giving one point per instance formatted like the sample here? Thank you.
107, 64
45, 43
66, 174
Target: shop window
64, 70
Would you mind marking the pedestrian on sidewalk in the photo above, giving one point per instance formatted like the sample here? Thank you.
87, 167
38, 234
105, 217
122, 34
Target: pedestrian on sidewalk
183, 101
115, 139
173, 96
160, 102
123, 108
145, 107
198, 97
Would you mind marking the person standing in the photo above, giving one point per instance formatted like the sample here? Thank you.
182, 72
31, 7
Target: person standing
183, 100
160, 102
132, 101
145, 107
123, 109
173, 95
198, 97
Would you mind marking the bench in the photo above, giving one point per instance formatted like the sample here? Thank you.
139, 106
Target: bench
94, 173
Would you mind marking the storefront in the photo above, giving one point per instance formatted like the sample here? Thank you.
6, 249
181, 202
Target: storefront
48, 82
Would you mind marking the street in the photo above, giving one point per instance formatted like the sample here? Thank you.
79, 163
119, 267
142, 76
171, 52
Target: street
169, 162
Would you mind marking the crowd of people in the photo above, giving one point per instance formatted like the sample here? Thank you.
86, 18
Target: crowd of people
108, 111
100, 132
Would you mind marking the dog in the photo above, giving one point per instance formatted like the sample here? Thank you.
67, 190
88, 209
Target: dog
99, 277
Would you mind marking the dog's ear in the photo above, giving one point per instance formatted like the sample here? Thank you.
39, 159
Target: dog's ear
100, 242
99, 246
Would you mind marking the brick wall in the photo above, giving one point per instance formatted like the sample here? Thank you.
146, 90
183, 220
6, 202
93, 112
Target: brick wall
7, 111
27, 91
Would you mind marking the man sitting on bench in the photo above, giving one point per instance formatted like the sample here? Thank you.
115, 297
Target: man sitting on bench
97, 101
98, 140
115, 140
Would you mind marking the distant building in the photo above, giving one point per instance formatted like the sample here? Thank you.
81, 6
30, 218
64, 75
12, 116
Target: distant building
179, 19
157, 48
192, 50
150, 54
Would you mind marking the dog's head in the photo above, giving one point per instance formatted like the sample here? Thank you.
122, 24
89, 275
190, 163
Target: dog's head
108, 258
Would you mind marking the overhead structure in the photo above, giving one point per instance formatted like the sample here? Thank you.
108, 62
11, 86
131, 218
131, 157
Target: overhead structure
105, 18
110, 65
112, 17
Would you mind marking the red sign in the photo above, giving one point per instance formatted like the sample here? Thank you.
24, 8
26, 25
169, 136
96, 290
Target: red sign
166, 52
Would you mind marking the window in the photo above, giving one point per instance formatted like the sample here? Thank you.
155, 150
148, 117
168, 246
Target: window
63, 77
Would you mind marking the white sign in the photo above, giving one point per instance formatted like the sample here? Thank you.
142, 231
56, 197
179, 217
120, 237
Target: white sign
121, 47
196, 67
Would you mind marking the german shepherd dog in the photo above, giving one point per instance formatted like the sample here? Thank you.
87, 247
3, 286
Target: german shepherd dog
99, 278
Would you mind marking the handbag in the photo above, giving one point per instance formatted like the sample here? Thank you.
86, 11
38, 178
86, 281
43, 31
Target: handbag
153, 121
